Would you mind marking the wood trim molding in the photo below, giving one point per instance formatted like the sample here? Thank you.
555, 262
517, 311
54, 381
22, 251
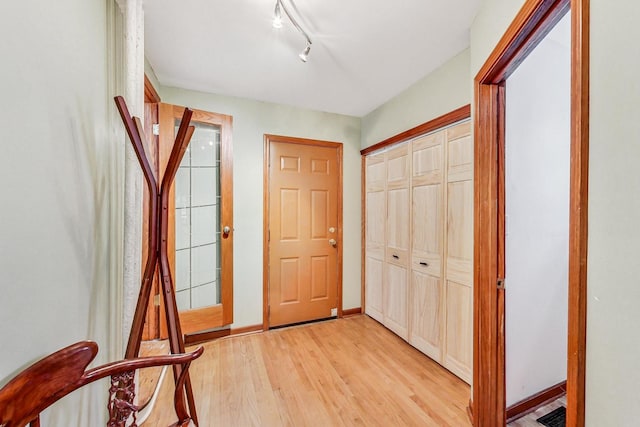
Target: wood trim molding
265, 236
150, 93
530, 404
535, 19
340, 230
201, 337
363, 231
533, 22
470, 411
485, 295
352, 312
246, 330
450, 118
578, 219
265, 217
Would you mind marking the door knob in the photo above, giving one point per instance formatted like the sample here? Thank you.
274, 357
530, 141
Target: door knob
333, 242
226, 230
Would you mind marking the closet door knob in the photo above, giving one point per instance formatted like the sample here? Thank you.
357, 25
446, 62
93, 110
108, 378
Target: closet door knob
333, 242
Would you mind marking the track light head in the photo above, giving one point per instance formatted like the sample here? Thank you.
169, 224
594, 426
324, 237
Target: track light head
305, 53
277, 23
277, 16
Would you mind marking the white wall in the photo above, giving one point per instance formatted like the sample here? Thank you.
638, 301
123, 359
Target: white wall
151, 74
436, 94
538, 123
489, 25
613, 340
61, 191
251, 120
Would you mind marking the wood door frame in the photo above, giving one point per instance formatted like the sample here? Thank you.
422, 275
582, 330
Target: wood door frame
533, 22
151, 99
268, 138
448, 119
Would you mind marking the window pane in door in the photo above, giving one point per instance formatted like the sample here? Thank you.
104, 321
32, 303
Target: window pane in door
197, 197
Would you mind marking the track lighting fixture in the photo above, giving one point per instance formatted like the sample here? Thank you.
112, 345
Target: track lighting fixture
277, 23
305, 53
277, 16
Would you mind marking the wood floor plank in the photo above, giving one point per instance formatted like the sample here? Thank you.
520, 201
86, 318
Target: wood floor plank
345, 372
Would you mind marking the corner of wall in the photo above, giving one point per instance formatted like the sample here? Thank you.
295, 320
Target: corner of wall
151, 75
437, 93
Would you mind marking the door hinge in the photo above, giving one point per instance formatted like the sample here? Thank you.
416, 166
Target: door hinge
155, 129
156, 300
500, 283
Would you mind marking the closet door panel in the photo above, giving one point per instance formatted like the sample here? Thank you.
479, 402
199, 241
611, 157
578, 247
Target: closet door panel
398, 226
398, 208
398, 167
460, 153
427, 230
428, 159
395, 300
397, 252
426, 314
458, 352
376, 174
375, 235
427, 244
374, 288
460, 231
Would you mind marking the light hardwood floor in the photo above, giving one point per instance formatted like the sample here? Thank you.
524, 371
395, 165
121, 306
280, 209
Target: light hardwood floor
148, 378
342, 372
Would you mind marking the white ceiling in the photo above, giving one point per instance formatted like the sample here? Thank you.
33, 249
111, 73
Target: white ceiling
364, 52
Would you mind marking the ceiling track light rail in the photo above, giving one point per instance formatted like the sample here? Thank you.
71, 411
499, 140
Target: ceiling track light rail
277, 23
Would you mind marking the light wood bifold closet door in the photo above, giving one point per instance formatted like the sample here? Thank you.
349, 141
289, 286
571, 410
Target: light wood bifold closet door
376, 238
458, 356
395, 294
427, 244
419, 243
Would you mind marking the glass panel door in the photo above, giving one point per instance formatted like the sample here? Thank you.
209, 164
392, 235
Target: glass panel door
200, 238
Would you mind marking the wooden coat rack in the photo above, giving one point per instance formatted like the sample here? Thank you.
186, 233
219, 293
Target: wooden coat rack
158, 255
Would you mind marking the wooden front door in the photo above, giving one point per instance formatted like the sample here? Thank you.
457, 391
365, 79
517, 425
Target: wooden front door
200, 220
303, 232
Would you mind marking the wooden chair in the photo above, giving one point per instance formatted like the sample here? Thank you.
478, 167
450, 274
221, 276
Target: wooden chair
50, 379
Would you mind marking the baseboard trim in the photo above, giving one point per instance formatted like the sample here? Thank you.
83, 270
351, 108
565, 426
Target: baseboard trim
532, 403
352, 312
470, 411
247, 329
201, 337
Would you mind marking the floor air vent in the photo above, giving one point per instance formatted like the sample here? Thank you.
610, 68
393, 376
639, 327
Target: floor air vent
555, 418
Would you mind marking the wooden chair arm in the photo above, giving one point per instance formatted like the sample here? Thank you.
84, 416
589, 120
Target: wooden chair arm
53, 377
128, 365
